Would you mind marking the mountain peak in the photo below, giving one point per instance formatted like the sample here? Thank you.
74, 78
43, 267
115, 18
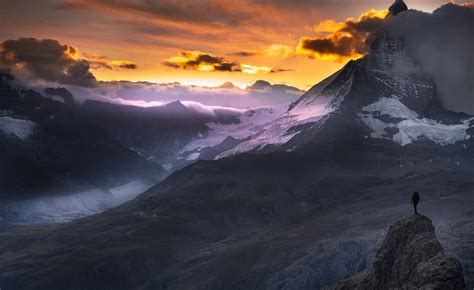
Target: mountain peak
411, 257
260, 85
174, 108
398, 7
227, 85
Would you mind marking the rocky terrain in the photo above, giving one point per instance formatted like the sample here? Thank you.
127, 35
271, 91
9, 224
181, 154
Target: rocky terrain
252, 221
411, 257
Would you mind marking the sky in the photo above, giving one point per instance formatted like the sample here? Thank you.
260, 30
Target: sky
203, 43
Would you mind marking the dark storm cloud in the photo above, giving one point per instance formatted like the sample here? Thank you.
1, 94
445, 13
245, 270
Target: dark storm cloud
47, 60
343, 46
443, 44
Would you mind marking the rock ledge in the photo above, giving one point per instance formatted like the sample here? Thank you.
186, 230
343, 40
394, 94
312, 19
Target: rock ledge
411, 257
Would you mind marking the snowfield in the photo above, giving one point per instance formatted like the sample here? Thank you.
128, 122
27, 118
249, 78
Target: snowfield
20, 128
251, 122
65, 208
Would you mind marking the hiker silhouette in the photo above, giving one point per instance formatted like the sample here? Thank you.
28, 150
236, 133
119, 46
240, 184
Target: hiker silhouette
415, 198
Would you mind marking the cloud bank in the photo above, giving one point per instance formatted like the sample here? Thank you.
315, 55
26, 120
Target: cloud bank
50, 61
261, 93
443, 45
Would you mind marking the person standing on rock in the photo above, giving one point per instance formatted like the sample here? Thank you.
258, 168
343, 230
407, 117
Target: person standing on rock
415, 198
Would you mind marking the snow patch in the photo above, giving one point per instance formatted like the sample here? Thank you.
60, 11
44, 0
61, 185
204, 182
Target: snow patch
20, 128
409, 126
275, 132
193, 156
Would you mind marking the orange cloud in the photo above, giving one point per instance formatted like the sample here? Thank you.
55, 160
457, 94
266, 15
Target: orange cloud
126, 64
273, 50
98, 61
278, 50
253, 69
71, 52
200, 61
344, 40
195, 60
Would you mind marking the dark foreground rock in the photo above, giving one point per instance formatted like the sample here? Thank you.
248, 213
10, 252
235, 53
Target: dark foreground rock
411, 257
276, 221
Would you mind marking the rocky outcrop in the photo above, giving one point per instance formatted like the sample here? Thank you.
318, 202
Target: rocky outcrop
411, 257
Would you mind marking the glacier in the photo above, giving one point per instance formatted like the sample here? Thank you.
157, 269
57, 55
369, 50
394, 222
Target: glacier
410, 125
65, 208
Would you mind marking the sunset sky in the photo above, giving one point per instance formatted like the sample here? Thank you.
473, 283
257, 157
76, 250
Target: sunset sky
203, 42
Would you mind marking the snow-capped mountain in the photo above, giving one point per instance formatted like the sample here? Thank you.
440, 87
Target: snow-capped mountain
384, 95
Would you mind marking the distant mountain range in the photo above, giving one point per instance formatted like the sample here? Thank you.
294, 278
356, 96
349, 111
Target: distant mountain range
55, 147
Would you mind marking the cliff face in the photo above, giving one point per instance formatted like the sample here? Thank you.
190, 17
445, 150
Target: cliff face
411, 257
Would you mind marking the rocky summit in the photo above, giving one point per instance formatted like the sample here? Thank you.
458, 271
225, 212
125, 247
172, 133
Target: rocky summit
411, 257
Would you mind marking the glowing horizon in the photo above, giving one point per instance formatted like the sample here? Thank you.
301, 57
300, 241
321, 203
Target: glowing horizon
240, 42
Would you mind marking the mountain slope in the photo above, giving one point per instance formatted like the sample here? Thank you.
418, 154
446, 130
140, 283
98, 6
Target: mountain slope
253, 221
